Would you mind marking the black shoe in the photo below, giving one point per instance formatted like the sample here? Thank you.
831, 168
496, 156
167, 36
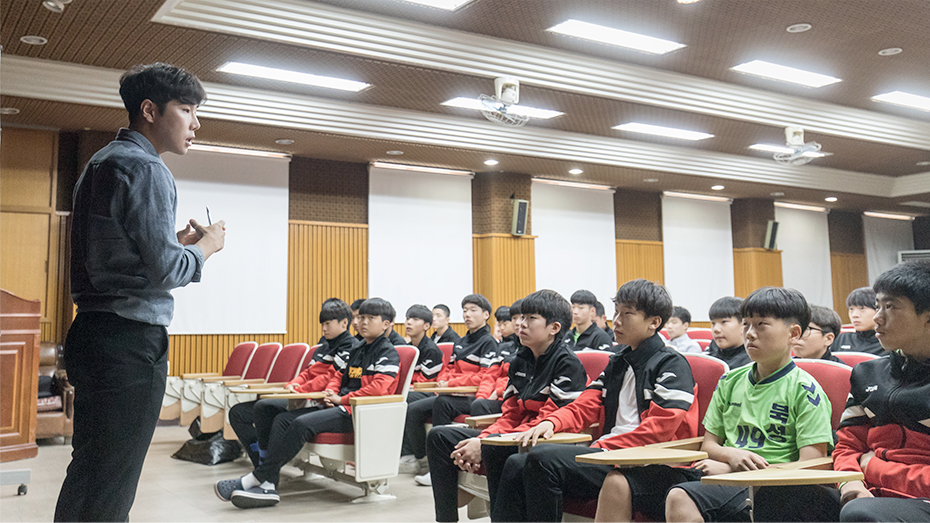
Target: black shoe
225, 488
255, 497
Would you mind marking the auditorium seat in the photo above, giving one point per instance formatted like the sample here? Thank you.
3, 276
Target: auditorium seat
175, 405
833, 378
704, 344
700, 334
446, 348
853, 358
213, 396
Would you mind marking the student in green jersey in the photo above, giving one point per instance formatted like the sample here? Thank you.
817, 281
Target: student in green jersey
765, 413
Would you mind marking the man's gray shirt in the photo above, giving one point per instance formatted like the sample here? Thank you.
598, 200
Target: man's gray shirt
125, 255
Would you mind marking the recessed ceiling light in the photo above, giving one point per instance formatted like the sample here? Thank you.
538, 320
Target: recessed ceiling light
394, 153
658, 130
799, 28
9, 111
284, 141
776, 194
769, 148
891, 51
448, 5
717, 188
491, 162
650, 180
830, 199
33, 40
923, 163
905, 99
785, 73
575, 171
474, 103
55, 6
618, 37
889, 216
296, 77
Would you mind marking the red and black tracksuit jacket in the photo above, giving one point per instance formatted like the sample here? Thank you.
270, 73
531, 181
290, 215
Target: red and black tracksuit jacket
498, 374
593, 338
538, 387
316, 376
471, 358
429, 362
888, 413
369, 370
665, 398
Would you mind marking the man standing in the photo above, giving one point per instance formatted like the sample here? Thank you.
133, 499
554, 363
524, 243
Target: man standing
125, 259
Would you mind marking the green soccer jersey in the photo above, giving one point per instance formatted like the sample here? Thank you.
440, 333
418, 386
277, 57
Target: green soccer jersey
773, 418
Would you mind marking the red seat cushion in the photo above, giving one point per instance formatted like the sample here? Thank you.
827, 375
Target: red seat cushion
460, 418
580, 507
334, 438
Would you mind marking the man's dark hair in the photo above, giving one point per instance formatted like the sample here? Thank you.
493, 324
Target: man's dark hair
420, 312
378, 307
160, 83
861, 297
646, 296
444, 308
781, 303
502, 313
479, 300
599, 309
726, 307
584, 297
335, 309
516, 308
682, 314
356, 304
826, 319
552, 306
909, 280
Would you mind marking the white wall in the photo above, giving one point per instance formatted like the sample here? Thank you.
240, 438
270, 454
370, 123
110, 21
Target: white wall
576, 240
804, 240
883, 239
244, 287
698, 253
419, 239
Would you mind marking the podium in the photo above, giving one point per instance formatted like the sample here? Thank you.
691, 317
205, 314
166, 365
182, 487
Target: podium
19, 376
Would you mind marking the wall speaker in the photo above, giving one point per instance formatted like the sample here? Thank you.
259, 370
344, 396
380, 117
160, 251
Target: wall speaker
771, 231
520, 208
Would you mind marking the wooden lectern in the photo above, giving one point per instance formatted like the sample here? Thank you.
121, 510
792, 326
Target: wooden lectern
19, 376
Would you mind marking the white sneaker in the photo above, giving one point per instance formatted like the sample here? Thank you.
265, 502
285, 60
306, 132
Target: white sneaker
424, 480
408, 465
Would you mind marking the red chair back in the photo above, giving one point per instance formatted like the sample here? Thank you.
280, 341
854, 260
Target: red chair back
446, 348
408, 358
700, 334
664, 334
706, 371
261, 361
594, 362
833, 378
704, 344
286, 364
853, 358
304, 363
239, 358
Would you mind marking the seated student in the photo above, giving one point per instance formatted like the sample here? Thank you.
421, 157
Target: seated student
428, 366
369, 370
443, 333
884, 432
726, 326
600, 318
677, 329
647, 393
471, 357
502, 326
586, 335
355, 305
861, 306
252, 420
544, 375
815, 342
765, 413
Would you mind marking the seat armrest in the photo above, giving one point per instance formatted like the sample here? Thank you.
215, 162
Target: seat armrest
680, 444
295, 396
211, 379
233, 383
423, 385
275, 385
824, 463
374, 400
481, 422
195, 375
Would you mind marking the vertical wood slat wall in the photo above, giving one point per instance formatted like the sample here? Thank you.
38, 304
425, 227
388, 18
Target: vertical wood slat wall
640, 259
755, 267
849, 272
504, 267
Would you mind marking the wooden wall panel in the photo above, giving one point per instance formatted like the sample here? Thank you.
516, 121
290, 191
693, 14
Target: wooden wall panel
639, 259
208, 352
28, 161
504, 267
849, 272
754, 268
459, 328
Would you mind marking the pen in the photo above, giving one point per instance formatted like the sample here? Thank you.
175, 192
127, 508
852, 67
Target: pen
209, 221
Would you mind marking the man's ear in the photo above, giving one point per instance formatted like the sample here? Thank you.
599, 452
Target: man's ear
148, 111
344, 323
554, 328
829, 337
654, 322
795, 331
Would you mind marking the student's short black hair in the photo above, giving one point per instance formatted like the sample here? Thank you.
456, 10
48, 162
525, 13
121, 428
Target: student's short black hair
378, 307
650, 297
444, 308
335, 309
726, 307
682, 314
909, 280
160, 83
599, 309
356, 304
479, 300
584, 297
516, 308
420, 312
552, 306
861, 297
826, 319
502, 313
782, 303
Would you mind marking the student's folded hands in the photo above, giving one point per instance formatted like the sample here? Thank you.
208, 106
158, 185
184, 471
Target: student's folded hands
741, 460
467, 454
711, 467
